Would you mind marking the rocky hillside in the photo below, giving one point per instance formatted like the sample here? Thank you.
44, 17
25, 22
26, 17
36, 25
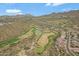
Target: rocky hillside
53, 34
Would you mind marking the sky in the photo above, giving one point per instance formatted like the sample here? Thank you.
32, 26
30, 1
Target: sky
36, 9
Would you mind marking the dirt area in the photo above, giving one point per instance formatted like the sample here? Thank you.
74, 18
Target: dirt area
28, 34
44, 39
21, 53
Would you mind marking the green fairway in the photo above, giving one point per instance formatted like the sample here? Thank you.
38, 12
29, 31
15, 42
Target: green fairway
51, 40
8, 42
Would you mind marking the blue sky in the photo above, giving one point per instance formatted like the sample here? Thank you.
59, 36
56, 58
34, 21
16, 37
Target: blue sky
36, 9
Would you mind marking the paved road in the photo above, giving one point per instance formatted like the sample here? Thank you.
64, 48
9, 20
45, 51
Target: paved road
68, 37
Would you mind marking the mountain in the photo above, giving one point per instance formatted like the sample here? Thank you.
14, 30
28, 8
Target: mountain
47, 35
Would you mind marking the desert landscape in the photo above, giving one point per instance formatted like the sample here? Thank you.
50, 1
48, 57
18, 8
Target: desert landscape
54, 34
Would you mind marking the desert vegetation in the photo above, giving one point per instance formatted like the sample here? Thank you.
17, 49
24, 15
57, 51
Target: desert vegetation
49, 35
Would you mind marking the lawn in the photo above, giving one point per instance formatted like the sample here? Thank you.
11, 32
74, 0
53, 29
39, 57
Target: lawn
51, 40
8, 42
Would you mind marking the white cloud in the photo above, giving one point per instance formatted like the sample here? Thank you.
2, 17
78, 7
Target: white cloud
54, 4
20, 13
66, 10
13, 11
